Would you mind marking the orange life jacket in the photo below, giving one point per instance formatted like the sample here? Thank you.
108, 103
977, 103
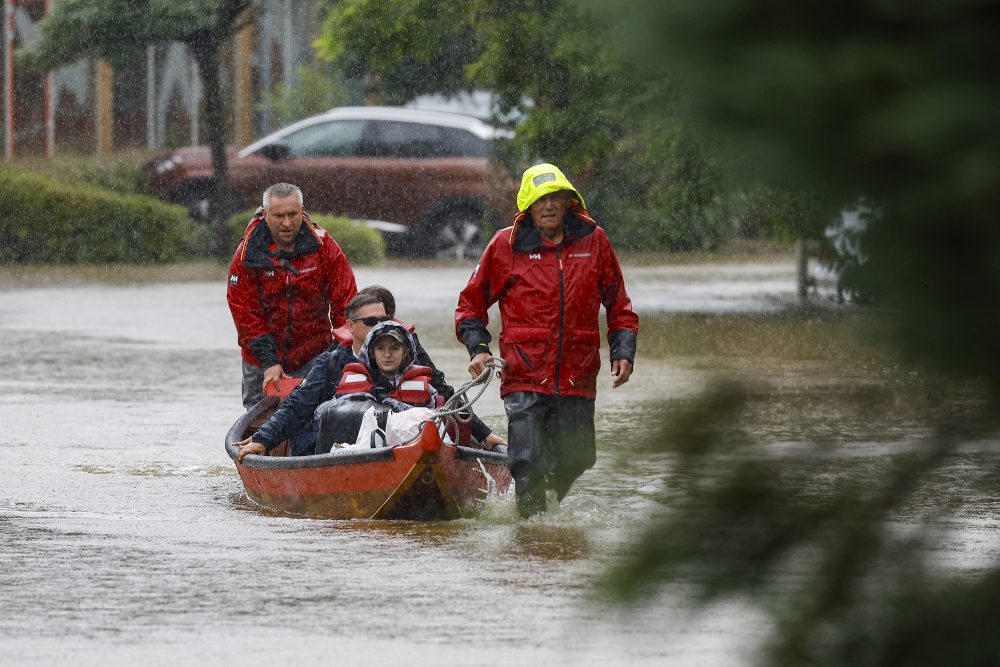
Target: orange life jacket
413, 388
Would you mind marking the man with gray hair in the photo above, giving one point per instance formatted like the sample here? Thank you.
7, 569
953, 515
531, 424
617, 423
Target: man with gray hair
288, 285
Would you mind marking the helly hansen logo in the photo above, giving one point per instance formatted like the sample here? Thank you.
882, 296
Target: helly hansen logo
535, 255
579, 254
233, 280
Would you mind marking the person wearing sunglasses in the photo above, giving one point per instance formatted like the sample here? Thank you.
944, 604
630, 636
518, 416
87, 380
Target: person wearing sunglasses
294, 421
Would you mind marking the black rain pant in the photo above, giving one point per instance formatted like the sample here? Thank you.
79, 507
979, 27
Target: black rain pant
550, 443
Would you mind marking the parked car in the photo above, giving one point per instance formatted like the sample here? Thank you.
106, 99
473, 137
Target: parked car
422, 177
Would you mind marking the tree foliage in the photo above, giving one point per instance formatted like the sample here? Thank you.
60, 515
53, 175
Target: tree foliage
402, 48
882, 101
889, 104
557, 65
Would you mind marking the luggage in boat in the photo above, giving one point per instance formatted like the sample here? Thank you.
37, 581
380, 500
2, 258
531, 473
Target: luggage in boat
340, 421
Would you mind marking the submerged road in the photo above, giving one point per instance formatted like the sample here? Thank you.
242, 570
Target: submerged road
125, 535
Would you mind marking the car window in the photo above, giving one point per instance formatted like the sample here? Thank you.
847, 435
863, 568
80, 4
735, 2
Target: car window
419, 140
339, 138
464, 143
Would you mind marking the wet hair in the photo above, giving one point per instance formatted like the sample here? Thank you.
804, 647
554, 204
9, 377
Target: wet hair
281, 190
360, 300
383, 295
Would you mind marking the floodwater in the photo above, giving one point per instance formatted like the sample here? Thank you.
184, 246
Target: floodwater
125, 535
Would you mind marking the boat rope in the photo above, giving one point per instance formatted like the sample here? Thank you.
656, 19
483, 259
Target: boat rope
458, 408
460, 401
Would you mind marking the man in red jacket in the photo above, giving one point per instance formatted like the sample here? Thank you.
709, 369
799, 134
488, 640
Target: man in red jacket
288, 285
551, 272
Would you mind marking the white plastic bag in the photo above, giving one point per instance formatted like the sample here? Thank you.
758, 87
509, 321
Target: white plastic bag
369, 425
403, 426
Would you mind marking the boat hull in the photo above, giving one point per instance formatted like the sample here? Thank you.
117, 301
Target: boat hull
427, 479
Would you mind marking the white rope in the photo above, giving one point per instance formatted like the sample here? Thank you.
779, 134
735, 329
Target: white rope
460, 401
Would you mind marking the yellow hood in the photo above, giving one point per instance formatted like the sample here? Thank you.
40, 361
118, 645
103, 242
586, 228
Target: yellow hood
541, 180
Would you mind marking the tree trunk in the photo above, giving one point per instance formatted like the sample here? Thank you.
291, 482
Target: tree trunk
802, 269
206, 54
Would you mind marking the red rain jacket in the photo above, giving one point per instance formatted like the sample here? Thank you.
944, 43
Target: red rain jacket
550, 298
285, 306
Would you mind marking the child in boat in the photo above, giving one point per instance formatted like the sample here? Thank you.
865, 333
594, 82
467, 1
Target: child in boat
385, 376
387, 372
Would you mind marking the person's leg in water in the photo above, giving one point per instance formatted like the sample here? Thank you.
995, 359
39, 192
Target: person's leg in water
571, 442
527, 420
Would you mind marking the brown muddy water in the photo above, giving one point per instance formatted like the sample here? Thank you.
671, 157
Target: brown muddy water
125, 535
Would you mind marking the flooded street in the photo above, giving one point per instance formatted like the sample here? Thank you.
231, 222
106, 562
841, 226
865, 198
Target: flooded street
126, 537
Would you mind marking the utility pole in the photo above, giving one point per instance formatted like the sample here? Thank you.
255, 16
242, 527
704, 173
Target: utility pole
8, 80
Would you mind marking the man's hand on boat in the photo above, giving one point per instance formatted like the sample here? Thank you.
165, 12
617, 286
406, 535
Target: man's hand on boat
248, 446
273, 374
493, 440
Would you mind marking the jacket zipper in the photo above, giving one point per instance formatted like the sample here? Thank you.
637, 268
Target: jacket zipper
288, 335
562, 317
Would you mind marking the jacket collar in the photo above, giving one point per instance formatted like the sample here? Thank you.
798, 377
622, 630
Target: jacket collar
524, 236
258, 242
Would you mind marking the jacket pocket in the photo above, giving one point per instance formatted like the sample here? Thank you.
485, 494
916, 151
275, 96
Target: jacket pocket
525, 351
581, 359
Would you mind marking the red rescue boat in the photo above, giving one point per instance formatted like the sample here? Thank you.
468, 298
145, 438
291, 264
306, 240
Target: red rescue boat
427, 479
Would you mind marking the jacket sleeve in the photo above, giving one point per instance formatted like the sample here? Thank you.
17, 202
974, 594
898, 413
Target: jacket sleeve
438, 382
483, 290
298, 408
623, 322
340, 282
248, 312
480, 431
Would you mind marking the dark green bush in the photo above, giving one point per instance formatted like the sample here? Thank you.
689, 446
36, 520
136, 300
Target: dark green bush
47, 221
361, 244
121, 173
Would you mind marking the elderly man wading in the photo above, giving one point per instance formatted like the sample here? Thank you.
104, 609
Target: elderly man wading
551, 272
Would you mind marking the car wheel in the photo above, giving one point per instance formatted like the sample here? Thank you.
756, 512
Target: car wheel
458, 234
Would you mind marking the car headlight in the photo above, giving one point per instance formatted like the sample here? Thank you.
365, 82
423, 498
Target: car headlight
171, 163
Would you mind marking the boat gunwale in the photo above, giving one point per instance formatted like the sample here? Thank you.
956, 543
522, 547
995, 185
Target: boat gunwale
333, 458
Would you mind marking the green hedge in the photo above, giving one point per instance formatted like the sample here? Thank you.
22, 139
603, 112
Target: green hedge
121, 173
47, 221
362, 245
